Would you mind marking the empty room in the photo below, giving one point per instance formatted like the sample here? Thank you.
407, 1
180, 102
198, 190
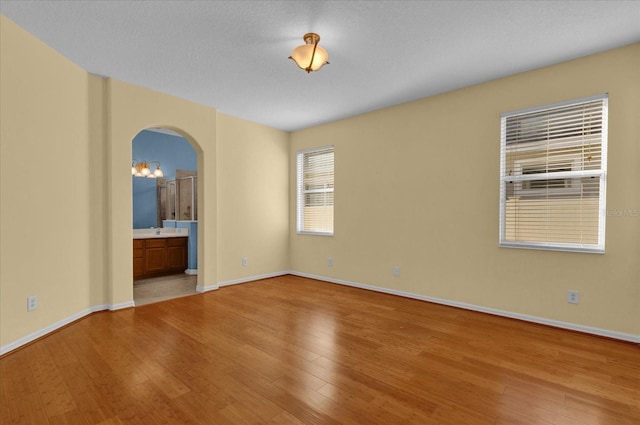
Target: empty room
320, 212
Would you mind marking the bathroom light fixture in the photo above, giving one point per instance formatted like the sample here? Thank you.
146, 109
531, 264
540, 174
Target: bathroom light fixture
310, 56
141, 169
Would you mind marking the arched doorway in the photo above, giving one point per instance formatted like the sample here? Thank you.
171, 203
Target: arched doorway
164, 215
127, 110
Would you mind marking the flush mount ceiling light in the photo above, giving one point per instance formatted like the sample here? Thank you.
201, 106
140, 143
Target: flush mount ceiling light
310, 56
141, 169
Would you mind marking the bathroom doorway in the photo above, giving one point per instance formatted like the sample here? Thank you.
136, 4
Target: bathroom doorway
164, 216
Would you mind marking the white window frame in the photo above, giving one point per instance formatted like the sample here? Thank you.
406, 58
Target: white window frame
575, 174
301, 192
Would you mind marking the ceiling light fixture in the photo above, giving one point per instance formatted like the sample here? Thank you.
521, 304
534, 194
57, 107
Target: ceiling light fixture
310, 56
141, 169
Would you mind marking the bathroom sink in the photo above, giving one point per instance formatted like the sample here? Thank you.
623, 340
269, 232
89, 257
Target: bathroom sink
164, 232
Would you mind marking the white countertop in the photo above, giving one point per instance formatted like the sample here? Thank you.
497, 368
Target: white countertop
165, 232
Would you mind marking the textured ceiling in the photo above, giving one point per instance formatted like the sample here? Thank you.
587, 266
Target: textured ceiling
232, 55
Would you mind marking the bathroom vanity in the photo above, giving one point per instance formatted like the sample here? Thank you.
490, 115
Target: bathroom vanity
158, 252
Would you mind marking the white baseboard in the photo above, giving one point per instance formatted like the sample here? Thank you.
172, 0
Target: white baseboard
564, 325
120, 306
200, 288
44, 331
191, 271
540, 320
57, 325
48, 329
252, 278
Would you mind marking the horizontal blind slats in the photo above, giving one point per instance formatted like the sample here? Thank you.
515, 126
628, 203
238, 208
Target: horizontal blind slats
570, 121
315, 190
552, 171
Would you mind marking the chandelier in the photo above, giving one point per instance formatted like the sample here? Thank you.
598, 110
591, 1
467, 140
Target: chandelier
141, 169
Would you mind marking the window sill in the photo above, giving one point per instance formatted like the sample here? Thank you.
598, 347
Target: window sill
554, 247
315, 233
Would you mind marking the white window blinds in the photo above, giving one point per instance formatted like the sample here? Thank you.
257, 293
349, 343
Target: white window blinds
553, 175
315, 191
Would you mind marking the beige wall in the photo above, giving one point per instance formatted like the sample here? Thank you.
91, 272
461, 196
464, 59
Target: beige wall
414, 188
253, 184
131, 109
417, 186
66, 231
46, 220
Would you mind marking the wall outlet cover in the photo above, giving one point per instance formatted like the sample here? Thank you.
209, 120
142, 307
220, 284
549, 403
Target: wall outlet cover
573, 297
32, 303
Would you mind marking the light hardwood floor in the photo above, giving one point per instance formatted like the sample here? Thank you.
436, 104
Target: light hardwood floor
291, 350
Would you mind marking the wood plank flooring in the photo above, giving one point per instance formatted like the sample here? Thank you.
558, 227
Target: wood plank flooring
291, 350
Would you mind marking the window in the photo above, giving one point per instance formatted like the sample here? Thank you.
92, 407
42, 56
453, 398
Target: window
315, 191
553, 176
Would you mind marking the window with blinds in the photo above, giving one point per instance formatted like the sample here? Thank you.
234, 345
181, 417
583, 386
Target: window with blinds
315, 191
553, 176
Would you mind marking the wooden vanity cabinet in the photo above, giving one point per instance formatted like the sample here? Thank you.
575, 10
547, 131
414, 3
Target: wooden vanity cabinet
159, 256
138, 258
177, 253
155, 256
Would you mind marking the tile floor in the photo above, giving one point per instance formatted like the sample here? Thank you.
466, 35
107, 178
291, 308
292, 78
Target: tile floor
147, 291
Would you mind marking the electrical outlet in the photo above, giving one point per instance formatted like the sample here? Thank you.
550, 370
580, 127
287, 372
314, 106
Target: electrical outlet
329, 261
573, 297
32, 303
245, 261
396, 270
